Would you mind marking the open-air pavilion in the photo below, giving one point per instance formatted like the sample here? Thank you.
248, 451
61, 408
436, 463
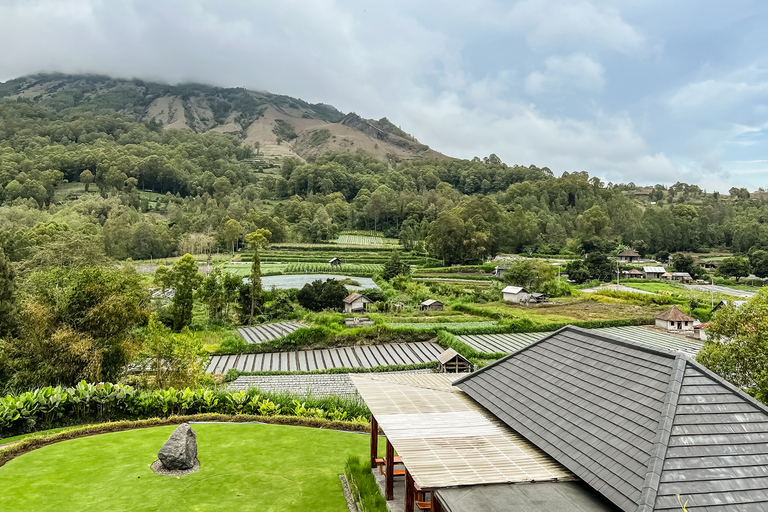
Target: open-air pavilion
445, 439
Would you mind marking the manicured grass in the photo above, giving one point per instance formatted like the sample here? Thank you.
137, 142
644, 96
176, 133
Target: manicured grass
8, 440
243, 467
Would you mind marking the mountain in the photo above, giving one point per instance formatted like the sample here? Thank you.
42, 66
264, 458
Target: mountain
279, 126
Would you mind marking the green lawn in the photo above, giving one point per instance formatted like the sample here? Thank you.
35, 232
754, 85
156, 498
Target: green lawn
243, 467
8, 440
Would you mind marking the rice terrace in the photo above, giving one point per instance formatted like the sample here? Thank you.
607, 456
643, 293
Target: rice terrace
507, 296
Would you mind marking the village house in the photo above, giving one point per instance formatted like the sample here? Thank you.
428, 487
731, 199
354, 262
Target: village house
674, 320
431, 305
355, 303
515, 294
335, 262
635, 274
628, 256
653, 272
499, 270
683, 277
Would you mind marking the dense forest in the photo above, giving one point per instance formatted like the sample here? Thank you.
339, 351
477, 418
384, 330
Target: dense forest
153, 193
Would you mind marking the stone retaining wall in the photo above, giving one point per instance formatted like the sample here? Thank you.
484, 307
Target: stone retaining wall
316, 384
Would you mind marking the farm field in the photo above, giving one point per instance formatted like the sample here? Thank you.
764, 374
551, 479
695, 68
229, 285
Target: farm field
249, 467
508, 343
299, 280
244, 269
268, 332
568, 309
327, 268
448, 326
361, 356
360, 240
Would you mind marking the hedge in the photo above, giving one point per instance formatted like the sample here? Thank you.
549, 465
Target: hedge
331, 336
38, 441
51, 407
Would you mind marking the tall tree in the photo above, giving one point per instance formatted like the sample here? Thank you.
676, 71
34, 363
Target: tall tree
395, 267
183, 279
257, 239
232, 231
8, 320
86, 178
735, 266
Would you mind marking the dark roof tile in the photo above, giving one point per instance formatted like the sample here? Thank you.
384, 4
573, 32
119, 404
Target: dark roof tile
637, 424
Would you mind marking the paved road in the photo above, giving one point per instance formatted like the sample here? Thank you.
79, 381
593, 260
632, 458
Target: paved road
720, 289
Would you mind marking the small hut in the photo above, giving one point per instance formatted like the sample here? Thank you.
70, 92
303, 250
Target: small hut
674, 320
453, 362
683, 277
355, 303
431, 305
335, 262
628, 256
635, 274
515, 294
653, 272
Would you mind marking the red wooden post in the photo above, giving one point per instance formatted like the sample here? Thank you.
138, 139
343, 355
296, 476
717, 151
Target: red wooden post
374, 441
436, 506
390, 478
409, 492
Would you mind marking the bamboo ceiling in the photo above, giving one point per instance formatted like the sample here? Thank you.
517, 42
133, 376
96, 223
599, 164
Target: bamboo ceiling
445, 438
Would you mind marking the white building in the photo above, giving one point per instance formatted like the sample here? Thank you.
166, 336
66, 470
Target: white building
515, 294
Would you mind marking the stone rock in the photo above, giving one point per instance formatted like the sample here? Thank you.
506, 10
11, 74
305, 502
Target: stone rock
180, 450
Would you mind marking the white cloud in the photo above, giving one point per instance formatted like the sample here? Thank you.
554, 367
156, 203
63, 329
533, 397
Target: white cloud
557, 22
575, 71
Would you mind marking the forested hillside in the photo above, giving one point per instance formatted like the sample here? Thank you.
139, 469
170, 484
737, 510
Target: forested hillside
136, 190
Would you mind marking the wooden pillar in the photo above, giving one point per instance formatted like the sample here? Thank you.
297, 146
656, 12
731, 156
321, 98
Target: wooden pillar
390, 477
410, 490
374, 441
436, 506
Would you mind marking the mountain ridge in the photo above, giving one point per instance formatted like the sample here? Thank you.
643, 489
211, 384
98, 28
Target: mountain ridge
278, 126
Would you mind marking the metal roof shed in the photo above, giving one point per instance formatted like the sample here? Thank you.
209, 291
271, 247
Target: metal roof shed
453, 362
445, 438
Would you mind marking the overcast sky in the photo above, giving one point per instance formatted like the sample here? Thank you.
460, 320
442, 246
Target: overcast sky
648, 91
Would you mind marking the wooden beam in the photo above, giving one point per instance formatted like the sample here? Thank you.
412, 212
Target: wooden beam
390, 476
410, 490
374, 441
436, 505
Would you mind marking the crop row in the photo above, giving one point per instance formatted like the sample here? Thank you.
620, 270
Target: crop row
88, 403
360, 240
325, 268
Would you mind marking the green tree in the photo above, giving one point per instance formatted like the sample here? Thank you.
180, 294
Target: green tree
319, 295
577, 271
395, 267
758, 260
735, 266
684, 263
232, 231
737, 349
599, 266
76, 324
257, 239
7, 297
183, 279
171, 360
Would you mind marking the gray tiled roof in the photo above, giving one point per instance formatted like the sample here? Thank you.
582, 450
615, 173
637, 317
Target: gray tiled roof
639, 425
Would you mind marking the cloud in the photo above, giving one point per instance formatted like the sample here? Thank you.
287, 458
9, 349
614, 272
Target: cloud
558, 22
575, 71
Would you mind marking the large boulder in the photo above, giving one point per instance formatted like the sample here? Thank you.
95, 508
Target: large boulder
180, 450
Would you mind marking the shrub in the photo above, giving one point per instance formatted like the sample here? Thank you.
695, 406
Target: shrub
363, 485
88, 403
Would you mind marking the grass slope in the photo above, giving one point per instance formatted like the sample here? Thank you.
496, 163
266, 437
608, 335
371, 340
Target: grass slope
243, 467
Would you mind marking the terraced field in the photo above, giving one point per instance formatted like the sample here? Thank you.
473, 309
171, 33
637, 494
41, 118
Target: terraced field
360, 240
326, 268
508, 343
448, 326
268, 332
363, 356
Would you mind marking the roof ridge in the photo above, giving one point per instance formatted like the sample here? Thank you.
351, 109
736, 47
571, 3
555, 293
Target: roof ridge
661, 440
